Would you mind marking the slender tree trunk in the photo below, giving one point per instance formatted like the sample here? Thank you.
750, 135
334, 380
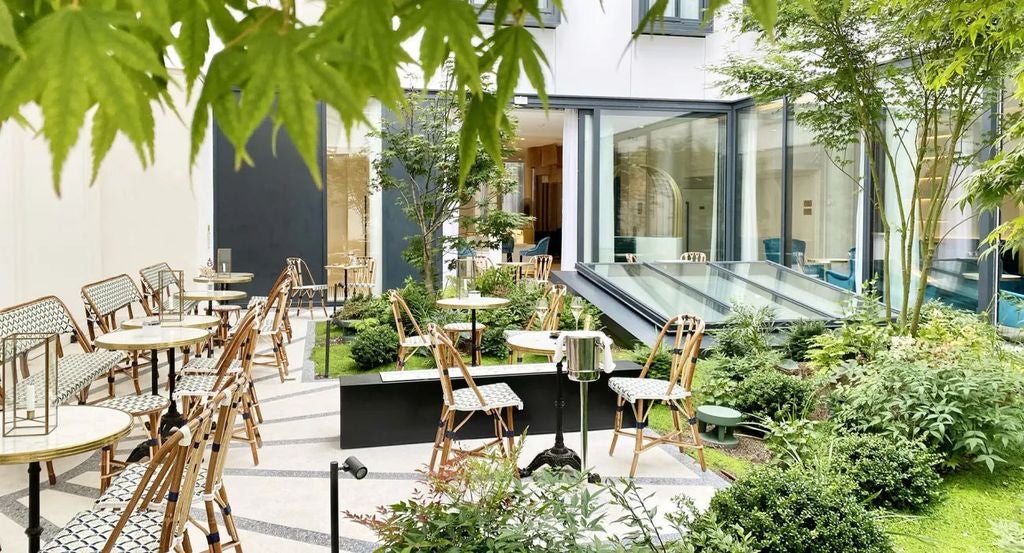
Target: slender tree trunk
427, 256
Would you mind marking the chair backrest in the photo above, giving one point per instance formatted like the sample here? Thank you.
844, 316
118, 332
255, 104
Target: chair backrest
170, 479
45, 315
688, 333
542, 245
364, 277
151, 292
555, 298
694, 257
482, 263
446, 356
301, 274
630, 258
105, 298
542, 266
226, 412
401, 309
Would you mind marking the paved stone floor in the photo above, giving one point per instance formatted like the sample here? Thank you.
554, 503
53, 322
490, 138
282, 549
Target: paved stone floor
282, 504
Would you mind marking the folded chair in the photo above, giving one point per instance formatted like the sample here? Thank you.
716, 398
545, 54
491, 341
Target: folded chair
643, 393
154, 519
407, 345
305, 287
495, 400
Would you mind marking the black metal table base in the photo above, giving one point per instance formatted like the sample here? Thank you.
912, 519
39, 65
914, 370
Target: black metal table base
35, 528
554, 457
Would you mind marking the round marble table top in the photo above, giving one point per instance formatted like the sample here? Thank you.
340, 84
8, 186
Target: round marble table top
213, 295
225, 278
79, 429
479, 302
532, 341
152, 337
188, 321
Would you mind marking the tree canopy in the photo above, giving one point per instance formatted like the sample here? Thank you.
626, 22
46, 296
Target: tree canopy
109, 58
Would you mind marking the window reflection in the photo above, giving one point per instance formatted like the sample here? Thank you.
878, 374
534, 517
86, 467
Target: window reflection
347, 189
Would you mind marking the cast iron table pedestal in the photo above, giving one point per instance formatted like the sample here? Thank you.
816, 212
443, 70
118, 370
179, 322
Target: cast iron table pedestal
558, 455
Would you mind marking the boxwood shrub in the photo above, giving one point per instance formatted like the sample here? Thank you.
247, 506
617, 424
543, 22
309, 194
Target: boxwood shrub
888, 472
374, 346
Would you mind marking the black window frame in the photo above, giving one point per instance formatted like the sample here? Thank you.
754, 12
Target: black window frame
550, 17
672, 26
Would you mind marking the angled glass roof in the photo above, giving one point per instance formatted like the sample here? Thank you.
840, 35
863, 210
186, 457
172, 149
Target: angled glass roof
662, 289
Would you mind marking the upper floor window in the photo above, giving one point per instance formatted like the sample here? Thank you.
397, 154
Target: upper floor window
549, 15
682, 18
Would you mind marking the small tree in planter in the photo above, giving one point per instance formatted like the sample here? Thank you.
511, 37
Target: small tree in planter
421, 161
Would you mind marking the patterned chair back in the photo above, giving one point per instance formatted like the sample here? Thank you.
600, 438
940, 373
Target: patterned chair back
150, 277
300, 272
364, 278
105, 298
694, 257
542, 266
689, 332
46, 315
447, 356
401, 310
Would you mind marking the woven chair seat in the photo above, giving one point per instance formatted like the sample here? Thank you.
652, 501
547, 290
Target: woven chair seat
416, 342
310, 288
227, 308
495, 396
204, 365
195, 385
464, 327
89, 531
136, 405
121, 489
633, 389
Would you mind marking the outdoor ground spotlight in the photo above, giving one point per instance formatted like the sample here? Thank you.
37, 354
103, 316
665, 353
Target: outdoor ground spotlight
358, 470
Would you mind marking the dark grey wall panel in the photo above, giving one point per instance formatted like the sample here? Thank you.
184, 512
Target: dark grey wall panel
396, 228
267, 212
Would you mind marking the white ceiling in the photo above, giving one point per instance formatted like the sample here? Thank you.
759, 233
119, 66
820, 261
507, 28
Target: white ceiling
537, 128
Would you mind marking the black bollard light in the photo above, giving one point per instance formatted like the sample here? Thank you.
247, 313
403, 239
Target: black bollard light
358, 470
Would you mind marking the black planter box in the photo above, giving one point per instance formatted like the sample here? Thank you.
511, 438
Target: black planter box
377, 412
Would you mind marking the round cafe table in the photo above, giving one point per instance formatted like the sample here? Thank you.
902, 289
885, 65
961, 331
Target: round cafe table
211, 296
153, 339
539, 342
472, 303
222, 280
79, 429
208, 322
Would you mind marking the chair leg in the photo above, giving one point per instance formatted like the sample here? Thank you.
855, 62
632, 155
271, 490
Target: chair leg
638, 410
510, 427
401, 358
449, 428
618, 424
135, 372
323, 304
438, 437
677, 424
105, 467
691, 416
154, 433
229, 519
51, 474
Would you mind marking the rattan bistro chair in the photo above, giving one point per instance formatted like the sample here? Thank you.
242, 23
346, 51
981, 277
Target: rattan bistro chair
104, 300
304, 286
643, 393
496, 400
694, 257
540, 268
151, 292
363, 279
407, 345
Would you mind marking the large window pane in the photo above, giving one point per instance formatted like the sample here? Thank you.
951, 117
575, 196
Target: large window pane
659, 179
347, 189
825, 202
759, 168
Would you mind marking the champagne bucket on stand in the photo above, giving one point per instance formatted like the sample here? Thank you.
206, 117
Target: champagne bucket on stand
583, 357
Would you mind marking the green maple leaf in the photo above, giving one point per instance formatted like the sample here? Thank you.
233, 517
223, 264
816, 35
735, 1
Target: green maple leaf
8, 37
449, 27
193, 40
515, 51
77, 58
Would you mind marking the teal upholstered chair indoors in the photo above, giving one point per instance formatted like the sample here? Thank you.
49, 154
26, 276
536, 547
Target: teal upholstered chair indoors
1011, 309
848, 281
772, 252
540, 249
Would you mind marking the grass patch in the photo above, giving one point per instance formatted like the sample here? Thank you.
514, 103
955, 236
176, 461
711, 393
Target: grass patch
660, 420
962, 520
343, 365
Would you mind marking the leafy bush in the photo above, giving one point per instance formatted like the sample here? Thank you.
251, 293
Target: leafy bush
799, 336
660, 367
770, 394
971, 409
493, 343
374, 346
791, 510
746, 331
888, 472
862, 337
494, 282
522, 303
792, 439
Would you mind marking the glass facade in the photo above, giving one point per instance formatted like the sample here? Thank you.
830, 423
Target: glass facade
660, 176
760, 178
348, 199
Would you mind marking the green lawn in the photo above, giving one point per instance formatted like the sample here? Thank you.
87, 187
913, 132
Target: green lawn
342, 363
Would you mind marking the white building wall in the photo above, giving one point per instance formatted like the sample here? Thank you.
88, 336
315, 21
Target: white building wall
131, 217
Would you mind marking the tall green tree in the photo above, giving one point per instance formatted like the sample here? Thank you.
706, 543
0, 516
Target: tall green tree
421, 159
108, 58
868, 70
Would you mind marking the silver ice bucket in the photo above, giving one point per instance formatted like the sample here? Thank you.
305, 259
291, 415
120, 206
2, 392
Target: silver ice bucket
583, 358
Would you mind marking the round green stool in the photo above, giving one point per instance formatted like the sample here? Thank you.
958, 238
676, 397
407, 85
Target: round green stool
723, 419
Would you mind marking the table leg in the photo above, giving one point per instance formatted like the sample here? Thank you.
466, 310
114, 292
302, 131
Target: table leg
34, 529
172, 418
557, 455
154, 377
209, 308
474, 352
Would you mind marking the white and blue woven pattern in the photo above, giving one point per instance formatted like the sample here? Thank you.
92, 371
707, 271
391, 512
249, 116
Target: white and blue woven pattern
205, 365
124, 486
633, 389
151, 275
495, 396
136, 405
195, 385
89, 531
46, 316
75, 372
110, 295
